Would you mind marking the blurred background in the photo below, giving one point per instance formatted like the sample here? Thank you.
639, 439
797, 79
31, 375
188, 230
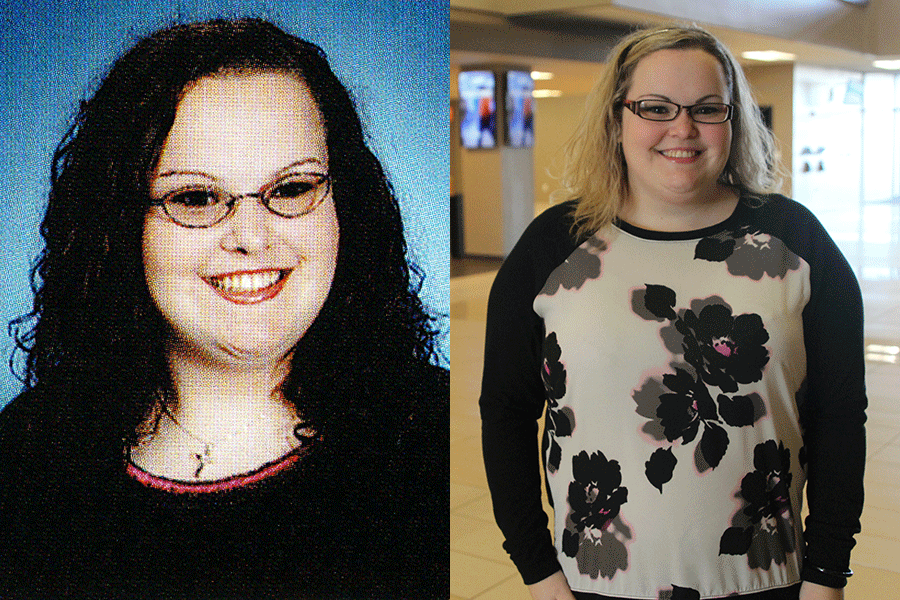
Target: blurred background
825, 73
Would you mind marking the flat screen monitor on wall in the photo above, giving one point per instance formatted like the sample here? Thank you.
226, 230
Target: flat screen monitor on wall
519, 109
478, 123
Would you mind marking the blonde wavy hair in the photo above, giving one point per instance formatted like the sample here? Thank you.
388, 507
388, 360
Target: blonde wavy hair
594, 171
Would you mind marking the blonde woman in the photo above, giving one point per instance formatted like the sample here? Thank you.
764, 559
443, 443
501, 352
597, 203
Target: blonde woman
695, 343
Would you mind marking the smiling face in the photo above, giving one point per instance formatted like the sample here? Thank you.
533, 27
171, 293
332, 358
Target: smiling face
245, 290
676, 161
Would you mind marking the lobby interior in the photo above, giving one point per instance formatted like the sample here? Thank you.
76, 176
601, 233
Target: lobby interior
837, 121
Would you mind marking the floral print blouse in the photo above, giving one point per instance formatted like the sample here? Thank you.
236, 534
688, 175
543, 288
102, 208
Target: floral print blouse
692, 384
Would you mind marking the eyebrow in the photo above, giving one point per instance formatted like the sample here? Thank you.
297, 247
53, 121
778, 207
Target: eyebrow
276, 175
700, 101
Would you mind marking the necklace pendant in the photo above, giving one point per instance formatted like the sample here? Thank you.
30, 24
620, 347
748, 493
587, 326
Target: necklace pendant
201, 460
304, 433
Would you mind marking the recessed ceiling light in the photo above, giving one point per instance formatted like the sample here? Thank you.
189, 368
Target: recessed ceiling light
541, 75
769, 56
891, 65
546, 93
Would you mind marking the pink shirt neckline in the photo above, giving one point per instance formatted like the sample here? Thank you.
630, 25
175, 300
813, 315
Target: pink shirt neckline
220, 485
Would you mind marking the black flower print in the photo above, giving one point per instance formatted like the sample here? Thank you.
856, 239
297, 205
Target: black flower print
748, 253
654, 303
583, 264
721, 351
679, 593
596, 495
560, 421
553, 372
726, 350
660, 467
763, 528
681, 413
800, 398
594, 531
683, 409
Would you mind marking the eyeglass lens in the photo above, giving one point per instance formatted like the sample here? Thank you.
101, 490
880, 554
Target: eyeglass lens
661, 110
206, 205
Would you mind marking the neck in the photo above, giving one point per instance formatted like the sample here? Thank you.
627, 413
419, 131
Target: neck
214, 398
677, 214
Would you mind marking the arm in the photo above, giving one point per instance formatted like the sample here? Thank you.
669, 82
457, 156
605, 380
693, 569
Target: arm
512, 396
511, 403
556, 587
813, 591
833, 415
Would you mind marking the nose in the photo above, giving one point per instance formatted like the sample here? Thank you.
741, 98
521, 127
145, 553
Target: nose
248, 227
683, 126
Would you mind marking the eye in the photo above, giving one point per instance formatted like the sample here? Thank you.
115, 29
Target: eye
709, 109
660, 109
198, 198
296, 194
295, 187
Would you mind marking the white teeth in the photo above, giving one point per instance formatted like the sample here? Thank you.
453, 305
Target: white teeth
680, 153
246, 282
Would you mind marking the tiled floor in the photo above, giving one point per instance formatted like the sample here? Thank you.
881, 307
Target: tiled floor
481, 569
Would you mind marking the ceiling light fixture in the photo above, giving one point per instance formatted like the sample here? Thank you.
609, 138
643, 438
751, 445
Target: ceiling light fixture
891, 65
546, 93
769, 56
541, 75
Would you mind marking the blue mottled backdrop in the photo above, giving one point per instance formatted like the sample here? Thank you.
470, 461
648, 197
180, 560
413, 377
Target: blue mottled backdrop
392, 54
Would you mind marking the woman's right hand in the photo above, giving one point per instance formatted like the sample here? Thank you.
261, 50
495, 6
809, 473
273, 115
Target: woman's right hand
554, 587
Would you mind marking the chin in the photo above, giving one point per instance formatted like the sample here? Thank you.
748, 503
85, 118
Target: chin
249, 355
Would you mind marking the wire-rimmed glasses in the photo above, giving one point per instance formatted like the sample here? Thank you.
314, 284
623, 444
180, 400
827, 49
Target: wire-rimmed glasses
199, 205
663, 110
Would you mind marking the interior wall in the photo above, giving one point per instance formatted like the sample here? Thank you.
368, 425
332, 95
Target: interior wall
773, 85
555, 121
482, 190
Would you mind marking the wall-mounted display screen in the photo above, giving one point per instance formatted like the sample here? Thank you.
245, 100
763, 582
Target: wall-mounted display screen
519, 109
478, 125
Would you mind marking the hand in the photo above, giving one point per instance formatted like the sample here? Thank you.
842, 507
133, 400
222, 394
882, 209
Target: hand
813, 591
554, 587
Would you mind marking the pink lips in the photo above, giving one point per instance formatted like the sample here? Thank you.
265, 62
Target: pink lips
249, 287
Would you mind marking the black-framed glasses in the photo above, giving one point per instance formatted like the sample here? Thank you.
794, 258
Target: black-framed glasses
663, 110
204, 205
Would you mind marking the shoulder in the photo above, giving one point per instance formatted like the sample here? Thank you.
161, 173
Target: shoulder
408, 415
546, 243
17, 421
804, 235
427, 379
791, 218
555, 226
424, 418
796, 226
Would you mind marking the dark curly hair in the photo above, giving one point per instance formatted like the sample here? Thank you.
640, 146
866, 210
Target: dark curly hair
95, 342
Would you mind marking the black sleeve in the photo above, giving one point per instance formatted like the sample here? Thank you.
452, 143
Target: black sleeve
512, 393
833, 413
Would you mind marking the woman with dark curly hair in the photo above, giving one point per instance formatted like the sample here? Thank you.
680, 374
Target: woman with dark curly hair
229, 389
695, 342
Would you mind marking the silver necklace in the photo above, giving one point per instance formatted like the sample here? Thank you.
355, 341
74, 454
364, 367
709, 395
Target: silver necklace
302, 433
